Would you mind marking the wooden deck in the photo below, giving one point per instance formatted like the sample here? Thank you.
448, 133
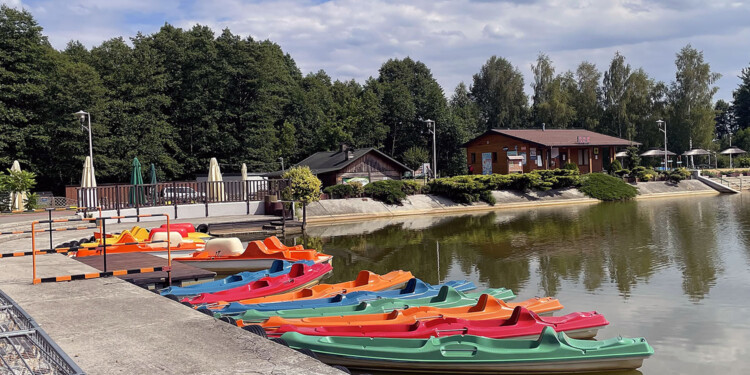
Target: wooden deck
182, 274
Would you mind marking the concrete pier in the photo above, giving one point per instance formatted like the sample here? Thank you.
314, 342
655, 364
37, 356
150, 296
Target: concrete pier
109, 326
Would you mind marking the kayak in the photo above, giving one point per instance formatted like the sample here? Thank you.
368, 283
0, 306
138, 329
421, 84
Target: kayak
487, 307
551, 352
299, 276
223, 256
415, 288
521, 324
279, 267
448, 297
365, 280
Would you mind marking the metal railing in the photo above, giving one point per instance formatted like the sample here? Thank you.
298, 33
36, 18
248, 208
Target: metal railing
25, 348
115, 197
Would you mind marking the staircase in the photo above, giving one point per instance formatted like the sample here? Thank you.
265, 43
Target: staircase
737, 183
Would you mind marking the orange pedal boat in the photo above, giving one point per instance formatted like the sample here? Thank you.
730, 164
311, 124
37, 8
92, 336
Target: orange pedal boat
365, 280
487, 307
127, 242
225, 255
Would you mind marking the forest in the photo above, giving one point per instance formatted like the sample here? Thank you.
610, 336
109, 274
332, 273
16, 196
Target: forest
178, 97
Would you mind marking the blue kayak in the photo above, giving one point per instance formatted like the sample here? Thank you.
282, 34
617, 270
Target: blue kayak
415, 288
278, 268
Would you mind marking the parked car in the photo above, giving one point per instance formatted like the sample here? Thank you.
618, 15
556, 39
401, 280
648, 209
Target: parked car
182, 194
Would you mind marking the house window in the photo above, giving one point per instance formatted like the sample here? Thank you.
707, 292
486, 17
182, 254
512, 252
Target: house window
583, 156
494, 157
473, 158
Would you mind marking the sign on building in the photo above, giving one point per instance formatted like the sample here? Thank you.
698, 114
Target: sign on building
486, 163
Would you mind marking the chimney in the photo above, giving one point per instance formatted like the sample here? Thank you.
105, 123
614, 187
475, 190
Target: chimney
542, 126
347, 151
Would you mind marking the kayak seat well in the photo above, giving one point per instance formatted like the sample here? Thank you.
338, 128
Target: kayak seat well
411, 286
298, 269
363, 278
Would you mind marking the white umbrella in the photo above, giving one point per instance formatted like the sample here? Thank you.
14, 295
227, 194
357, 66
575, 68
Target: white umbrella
243, 172
17, 199
87, 195
732, 151
215, 190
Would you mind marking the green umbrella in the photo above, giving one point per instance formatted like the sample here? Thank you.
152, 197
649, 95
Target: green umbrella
136, 179
152, 173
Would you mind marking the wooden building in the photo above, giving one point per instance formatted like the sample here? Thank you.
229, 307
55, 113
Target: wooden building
348, 164
524, 150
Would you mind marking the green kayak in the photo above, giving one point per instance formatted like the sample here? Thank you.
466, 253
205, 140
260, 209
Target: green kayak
551, 353
447, 297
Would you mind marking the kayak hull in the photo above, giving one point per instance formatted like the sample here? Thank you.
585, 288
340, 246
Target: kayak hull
224, 266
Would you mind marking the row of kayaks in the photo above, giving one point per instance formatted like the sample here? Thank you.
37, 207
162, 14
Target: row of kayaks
397, 322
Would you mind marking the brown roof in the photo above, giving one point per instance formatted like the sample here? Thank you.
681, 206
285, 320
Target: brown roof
561, 137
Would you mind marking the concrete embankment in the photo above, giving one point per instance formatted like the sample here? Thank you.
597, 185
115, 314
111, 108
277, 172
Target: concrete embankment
364, 208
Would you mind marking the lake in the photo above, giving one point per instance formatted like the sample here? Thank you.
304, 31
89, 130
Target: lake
673, 270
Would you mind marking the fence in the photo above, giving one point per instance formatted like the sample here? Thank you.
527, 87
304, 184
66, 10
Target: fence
115, 197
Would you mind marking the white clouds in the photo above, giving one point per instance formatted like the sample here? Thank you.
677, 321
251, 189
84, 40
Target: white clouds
352, 38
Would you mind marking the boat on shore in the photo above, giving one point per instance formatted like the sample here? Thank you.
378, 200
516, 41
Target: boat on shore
300, 276
551, 352
522, 324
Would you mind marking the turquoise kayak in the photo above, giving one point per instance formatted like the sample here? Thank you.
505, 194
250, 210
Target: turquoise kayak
447, 297
551, 353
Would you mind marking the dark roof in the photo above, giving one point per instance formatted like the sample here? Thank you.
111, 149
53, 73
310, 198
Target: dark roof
331, 161
559, 137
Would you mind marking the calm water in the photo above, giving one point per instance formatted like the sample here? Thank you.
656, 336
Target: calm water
676, 271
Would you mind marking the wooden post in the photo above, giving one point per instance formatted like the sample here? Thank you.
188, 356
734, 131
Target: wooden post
591, 164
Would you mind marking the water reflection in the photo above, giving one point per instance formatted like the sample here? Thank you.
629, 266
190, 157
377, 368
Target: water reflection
669, 269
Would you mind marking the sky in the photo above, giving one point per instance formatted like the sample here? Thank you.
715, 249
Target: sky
351, 39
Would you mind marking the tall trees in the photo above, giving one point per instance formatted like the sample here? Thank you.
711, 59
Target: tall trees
691, 94
741, 103
615, 99
544, 74
587, 100
498, 92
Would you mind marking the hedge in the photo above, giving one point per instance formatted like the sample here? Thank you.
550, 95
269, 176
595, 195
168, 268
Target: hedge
607, 188
387, 191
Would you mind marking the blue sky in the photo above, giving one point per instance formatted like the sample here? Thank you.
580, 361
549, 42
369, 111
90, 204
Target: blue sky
351, 39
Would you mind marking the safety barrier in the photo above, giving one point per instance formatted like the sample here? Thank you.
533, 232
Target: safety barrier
102, 231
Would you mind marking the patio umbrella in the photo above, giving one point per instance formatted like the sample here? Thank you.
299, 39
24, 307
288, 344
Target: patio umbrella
17, 199
698, 152
136, 195
153, 182
87, 197
215, 184
243, 173
732, 151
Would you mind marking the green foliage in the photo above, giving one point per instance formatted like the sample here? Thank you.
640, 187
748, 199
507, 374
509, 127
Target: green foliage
357, 188
498, 91
678, 174
622, 172
570, 166
32, 201
742, 162
352, 189
305, 187
411, 187
614, 166
607, 188
643, 174
634, 157
415, 156
17, 181
386, 191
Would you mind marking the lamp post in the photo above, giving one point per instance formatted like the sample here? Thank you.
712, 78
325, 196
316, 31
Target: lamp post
659, 124
282, 163
82, 116
431, 129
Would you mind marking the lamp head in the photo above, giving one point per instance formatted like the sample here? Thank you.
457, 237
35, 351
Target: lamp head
660, 122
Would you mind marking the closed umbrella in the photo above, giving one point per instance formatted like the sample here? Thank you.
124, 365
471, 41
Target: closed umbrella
87, 195
216, 186
243, 173
136, 195
153, 182
17, 199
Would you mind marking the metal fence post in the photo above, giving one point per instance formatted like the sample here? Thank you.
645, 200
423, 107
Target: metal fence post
205, 196
104, 242
117, 201
137, 197
49, 211
247, 195
174, 197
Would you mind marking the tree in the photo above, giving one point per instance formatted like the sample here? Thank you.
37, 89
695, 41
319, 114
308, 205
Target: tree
587, 98
17, 182
498, 92
725, 119
691, 95
304, 186
741, 102
557, 110
615, 98
415, 156
544, 74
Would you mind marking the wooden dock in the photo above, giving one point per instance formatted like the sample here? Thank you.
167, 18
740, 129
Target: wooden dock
182, 274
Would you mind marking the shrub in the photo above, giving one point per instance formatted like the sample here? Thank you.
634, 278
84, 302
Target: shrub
614, 167
644, 174
607, 188
387, 191
357, 188
304, 186
411, 187
622, 172
678, 174
340, 191
570, 166
742, 162
709, 173
32, 201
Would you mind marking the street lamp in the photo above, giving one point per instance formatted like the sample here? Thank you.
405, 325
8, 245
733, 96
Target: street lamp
282, 163
431, 129
82, 116
659, 123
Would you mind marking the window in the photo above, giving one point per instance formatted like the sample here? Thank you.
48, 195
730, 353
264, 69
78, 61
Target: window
583, 156
473, 158
494, 157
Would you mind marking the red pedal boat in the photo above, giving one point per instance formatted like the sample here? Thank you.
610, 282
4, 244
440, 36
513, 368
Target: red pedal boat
522, 324
299, 276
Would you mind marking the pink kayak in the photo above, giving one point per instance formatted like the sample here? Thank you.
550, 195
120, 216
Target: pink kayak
300, 276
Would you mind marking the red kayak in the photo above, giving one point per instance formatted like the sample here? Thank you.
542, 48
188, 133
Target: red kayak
521, 324
300, 276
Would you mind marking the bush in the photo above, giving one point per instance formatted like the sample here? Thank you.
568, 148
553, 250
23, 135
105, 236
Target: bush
570, 166
742, 162
411, 187
614, 167
357, 188
304, 186
607, 188
339, 191
678, 174
643, 174
387, 191
32, 201
709, 173
622, 172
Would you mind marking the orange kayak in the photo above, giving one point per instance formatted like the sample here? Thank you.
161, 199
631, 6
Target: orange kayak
127, 242
487, 307
365, 280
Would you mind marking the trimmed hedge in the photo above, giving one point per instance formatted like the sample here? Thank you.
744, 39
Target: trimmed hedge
386, 191
607, 188
678, 174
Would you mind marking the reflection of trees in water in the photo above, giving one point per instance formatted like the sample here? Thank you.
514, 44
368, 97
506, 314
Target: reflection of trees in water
621, 243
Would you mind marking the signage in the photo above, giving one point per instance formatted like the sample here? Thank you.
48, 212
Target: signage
583, 140
596, 150
532, 152
362, 180
486, 163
